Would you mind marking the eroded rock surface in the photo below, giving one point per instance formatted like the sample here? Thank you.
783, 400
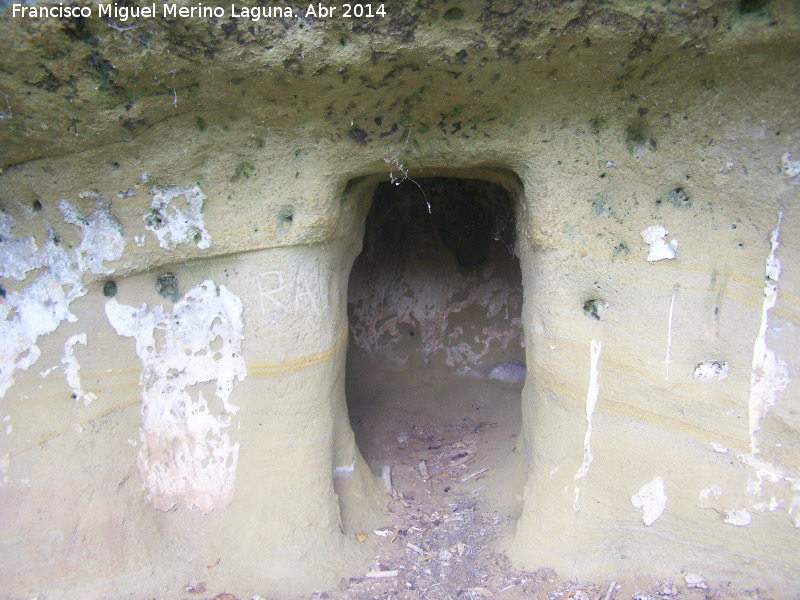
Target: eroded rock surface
649, 154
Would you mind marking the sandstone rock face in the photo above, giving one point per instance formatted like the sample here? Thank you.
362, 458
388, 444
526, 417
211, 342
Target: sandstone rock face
182, 200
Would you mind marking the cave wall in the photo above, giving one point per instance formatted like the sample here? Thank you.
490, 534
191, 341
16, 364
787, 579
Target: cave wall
437, 281
205, 437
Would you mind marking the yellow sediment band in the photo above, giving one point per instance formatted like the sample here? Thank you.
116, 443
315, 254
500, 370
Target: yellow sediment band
254, 369
260, 369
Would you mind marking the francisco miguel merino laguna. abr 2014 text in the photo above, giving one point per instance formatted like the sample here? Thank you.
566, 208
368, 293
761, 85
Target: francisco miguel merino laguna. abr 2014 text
197, 11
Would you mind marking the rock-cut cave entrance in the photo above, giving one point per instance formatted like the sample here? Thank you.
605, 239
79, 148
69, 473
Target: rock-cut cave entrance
436, 356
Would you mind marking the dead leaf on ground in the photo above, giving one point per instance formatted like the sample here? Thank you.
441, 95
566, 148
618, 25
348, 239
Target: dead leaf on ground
423, 469
696, 580
666, 588
361, 536
213, 564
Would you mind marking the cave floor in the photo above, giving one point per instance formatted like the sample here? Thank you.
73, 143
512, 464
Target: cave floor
457, 481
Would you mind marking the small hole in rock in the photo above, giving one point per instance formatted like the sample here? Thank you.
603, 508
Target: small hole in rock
454, 14
595, 309
285, 220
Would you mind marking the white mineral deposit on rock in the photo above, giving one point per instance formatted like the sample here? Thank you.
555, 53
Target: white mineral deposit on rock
668, 359
790, 167
719, 447
770, 375
739, 518
345, 470
186, 456
771, 506
41, 306
654, 236
591, 402
709, 496
17, 256
764, 470
711, 370
652, 499
166, 219
71, 367
508, 372
4, 464
102, 238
